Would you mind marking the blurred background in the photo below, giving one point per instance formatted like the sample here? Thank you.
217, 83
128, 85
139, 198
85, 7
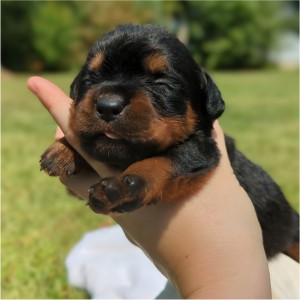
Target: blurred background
56, 35
251, 48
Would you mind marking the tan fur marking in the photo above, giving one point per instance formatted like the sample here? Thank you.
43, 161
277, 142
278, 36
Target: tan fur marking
170, 131
191, 120
82, 117
140, 122
96, 62
156, 63
167, 131
184, 187
293, 252
156, 172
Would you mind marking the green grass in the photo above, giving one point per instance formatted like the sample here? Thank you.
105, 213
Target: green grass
262, 115
41, 223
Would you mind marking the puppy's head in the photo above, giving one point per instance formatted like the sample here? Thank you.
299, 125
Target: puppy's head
140, 93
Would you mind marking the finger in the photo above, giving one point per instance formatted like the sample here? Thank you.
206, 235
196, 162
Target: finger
58, 105
81, 182
59, 133
53, 98
218, 136
56, 102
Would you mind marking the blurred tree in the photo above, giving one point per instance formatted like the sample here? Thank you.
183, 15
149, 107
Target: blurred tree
100, 17
290, 16
53, 31
16, 48
228, 34
56, 35
37, 35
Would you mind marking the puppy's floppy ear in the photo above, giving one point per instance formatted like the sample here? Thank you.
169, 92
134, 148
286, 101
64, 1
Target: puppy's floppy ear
215, 105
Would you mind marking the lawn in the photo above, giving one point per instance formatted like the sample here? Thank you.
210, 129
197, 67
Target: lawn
41, 223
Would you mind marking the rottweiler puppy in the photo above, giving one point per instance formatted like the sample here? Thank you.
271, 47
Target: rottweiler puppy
144, 107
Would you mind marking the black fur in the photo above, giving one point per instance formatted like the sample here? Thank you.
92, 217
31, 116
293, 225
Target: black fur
279, 223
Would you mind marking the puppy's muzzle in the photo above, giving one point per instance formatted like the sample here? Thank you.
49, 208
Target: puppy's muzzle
108, 108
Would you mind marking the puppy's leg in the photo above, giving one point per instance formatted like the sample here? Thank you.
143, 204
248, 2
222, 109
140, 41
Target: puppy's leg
156, 178
60, 159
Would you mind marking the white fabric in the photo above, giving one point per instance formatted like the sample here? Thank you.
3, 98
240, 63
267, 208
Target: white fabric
284, 273
108, 266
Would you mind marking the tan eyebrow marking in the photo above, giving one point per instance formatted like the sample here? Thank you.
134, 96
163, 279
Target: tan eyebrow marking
96, 62
156, 63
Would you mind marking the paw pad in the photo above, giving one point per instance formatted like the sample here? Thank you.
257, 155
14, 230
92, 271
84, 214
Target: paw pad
134, 184
112, 189
117, 194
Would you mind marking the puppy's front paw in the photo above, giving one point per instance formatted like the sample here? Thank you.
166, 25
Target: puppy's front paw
59, 160
117, 194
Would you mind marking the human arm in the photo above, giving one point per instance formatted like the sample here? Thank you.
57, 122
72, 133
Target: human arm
208, 245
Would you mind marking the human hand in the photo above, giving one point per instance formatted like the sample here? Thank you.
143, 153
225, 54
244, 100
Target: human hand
209, 245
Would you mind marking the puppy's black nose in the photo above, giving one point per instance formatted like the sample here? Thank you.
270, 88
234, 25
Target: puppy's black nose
108, 108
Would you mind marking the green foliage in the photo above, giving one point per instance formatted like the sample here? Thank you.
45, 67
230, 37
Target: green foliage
38, 35
53, 31
17, 49
230, 34
40, 221
56, 35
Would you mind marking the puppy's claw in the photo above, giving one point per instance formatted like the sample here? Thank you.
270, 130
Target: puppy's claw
59, 160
